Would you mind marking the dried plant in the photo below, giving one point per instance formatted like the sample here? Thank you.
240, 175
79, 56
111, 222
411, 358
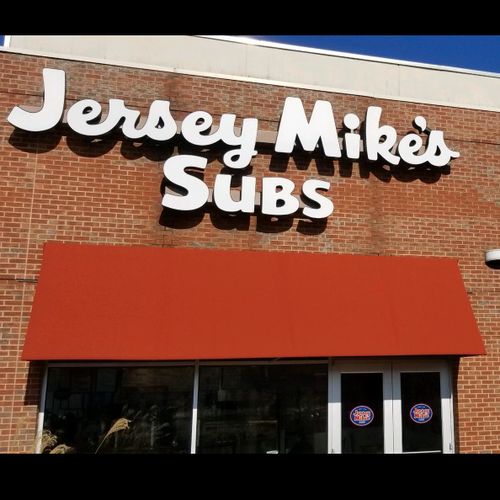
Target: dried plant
120, 425
61, 448
49, 440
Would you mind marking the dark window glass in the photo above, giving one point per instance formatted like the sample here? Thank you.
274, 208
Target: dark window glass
421, 407
263, 409
83, 403
362, 413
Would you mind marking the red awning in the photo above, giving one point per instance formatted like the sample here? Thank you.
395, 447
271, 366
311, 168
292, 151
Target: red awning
146, 303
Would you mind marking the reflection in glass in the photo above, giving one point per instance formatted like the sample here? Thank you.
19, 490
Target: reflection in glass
362, 392
263, 409
423, 432
83, 403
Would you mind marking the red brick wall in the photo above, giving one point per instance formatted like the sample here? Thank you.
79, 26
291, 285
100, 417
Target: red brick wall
58, 186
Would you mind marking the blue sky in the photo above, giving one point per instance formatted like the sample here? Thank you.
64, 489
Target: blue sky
472, 52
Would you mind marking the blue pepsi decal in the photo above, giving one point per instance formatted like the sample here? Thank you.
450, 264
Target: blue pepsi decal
362, 415
421, 413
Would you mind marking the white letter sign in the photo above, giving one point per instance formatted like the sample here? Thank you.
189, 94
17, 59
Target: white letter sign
295, 130
52, 109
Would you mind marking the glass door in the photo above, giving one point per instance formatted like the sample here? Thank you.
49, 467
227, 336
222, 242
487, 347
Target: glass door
390, 407
423, 421
361, 401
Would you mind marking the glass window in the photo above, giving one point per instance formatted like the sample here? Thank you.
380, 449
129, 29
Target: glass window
83, 403
362, 413
421, 408
263, 409
251, 408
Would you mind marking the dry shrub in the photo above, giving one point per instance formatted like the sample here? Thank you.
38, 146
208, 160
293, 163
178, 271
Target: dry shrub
60, 449
120, 425
49, 440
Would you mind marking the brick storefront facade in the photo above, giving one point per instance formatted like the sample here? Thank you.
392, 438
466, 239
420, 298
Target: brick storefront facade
59, 186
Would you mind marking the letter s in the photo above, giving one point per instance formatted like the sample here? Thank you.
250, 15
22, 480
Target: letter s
325, 204
197, 190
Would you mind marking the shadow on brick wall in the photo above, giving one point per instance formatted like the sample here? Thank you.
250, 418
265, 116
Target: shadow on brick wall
346, 168
240, 222
94, 147
33, 383
30, 142
279, 162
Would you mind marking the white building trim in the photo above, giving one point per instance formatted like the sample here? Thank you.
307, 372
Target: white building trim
255, 61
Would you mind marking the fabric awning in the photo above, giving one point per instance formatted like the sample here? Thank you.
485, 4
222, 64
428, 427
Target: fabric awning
148, 303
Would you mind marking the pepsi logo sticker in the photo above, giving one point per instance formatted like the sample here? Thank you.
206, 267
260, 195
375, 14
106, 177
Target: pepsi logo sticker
421, 413
361, 415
